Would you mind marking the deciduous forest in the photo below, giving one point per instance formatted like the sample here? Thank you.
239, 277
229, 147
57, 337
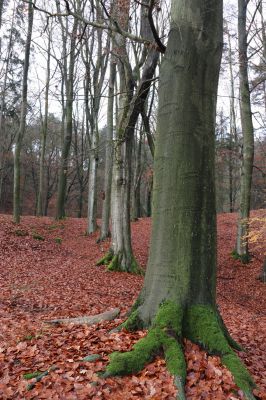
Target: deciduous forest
132, 199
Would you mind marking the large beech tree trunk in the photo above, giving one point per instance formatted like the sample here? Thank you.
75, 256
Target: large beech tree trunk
248, 135
178, 299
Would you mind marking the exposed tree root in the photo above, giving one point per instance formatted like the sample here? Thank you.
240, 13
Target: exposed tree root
114, 262
105, 260
87, 320
200, 324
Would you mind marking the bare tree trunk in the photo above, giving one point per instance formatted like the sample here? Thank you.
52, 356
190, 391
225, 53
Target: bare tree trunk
3, 100
62, 183
105, 230
23, 113
178, 299
40, 199
248, 135
136, 207
233, 132
130, 107
92, 189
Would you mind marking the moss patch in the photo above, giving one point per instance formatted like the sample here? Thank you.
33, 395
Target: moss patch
244, 258
32, 375
133, 323
116, 265
202, 326
105, 260
36, 236
162, 336
241, 375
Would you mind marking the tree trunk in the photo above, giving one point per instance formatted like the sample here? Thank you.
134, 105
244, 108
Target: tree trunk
92, 189
105, 230
40, 199
178, 298
233, 132
22, 125
62, 183
248, 136
136, 206
130, 107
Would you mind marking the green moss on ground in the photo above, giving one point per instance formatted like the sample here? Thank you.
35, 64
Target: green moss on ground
32, 375
37, 236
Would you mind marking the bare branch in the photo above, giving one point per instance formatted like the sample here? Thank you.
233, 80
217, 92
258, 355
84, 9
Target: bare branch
111, 27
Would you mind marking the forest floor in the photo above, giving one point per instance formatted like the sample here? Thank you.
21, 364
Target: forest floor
56, 277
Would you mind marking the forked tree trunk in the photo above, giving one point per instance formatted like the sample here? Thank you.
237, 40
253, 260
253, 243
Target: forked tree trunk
131, 105
248, 136
178, 298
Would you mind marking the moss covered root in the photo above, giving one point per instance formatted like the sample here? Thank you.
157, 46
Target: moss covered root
105, 260
163, 336
114, 263
203, 326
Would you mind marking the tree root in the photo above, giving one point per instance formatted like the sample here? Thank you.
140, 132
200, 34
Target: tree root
104, 237
87, 320
200, 324
105, 260
114, 263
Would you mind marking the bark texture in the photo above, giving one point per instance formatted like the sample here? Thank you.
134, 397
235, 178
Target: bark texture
131, 105
248, 135
62, 182
40, 199
178, 299
105, 229
22, 123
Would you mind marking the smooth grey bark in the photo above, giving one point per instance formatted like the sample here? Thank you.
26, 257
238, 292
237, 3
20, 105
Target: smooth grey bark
105, 229
178, 299
130, 107
182, 259
23, 113
3, 100
44, 128
96, 66
233, 131
248, 135
62, 182
1, 11
136, 205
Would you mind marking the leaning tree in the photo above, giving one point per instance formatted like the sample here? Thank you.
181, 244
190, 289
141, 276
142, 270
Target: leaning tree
178, 298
